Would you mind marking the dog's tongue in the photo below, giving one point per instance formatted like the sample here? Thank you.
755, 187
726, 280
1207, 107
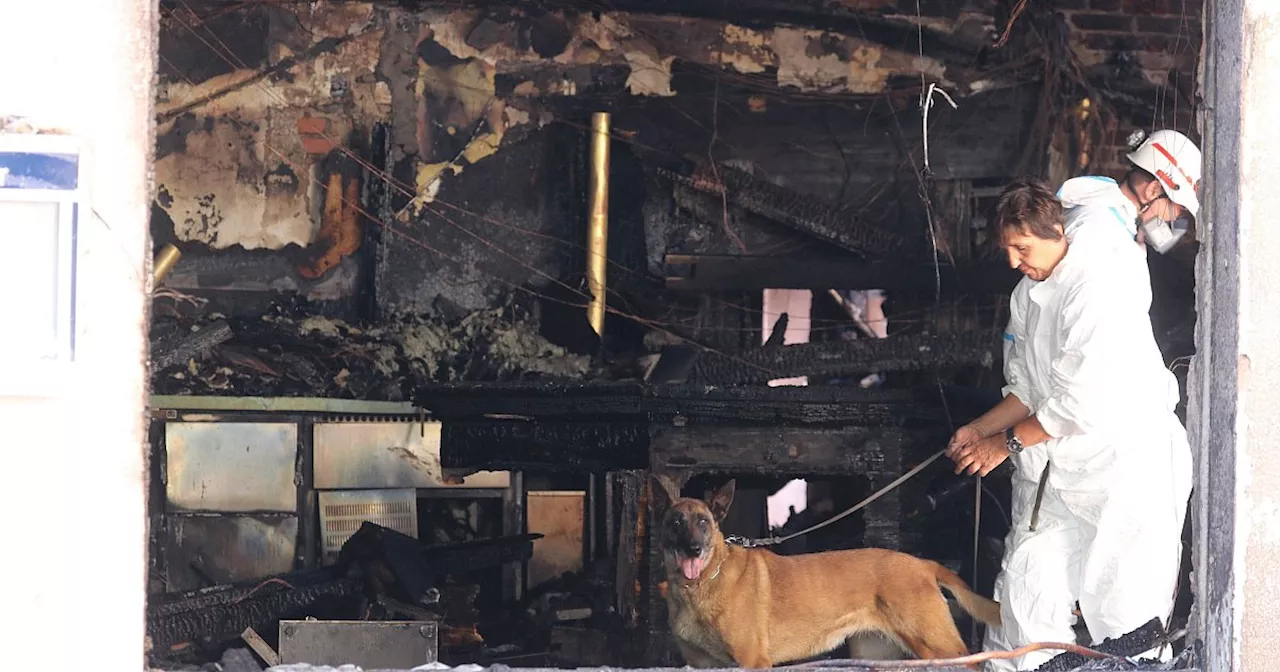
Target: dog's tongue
692, 567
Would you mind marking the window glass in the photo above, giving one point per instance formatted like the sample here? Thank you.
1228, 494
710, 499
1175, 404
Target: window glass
29, 280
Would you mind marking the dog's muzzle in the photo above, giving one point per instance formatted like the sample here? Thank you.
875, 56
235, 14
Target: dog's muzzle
692, 561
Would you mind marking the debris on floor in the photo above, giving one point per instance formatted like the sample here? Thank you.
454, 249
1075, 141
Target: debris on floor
381, 575
290, 353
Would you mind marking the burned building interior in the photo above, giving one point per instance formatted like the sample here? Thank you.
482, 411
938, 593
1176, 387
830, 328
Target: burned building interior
440, 284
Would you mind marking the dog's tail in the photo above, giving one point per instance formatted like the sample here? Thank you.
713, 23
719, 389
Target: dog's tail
981, 608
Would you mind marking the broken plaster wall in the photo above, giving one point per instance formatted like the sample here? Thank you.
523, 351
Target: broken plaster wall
259, 177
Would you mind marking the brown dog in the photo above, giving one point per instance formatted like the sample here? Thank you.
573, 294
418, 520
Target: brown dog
749, 607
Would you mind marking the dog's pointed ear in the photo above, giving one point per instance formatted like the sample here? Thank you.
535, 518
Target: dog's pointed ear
665, 492
721, 500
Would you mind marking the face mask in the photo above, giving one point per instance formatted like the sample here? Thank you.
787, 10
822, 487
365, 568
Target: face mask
1161, 235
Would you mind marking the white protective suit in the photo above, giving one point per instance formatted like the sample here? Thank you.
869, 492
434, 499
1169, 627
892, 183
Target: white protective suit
1080, 353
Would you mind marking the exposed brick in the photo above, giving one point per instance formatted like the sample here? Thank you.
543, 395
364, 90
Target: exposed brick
1154, 60
1105, 5
312, 125
311, 131
1110, 42
1166, 25
1158, 42
1072, 4
1144, 7
1112, 22
1089, 58
316, 145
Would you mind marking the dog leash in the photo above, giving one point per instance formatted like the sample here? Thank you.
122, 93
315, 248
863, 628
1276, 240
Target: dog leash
745, 542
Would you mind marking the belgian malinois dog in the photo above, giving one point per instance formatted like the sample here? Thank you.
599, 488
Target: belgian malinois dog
750, 607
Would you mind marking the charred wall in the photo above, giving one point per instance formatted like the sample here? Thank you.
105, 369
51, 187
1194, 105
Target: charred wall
367, 161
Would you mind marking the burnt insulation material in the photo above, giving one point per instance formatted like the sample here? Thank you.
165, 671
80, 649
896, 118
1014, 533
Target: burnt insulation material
848, 358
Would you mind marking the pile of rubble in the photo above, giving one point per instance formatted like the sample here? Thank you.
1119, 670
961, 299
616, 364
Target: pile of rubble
380, 575
286, 353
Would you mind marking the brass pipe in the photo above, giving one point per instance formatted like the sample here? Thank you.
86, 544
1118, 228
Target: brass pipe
165, 261
598, 224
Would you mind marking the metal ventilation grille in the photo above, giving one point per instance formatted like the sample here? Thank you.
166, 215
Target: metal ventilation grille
343, 511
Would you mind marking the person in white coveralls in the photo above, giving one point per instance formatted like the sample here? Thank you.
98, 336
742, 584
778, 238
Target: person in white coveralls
1102, 465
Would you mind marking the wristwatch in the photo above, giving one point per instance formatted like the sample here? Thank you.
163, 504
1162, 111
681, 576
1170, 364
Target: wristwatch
1011, 442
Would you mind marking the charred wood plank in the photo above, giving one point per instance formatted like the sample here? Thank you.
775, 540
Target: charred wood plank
843, 358
1143, 639
662, 404
170, 604
792, 209
723, 271
577, 446
781, 450
630, 549
179, 350
225, 622
530, 400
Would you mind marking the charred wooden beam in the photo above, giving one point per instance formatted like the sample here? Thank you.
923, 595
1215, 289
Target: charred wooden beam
206, 618
171, 604
792, 209
629, 553
721, 271
841, 358
1143, 639
577, 446
531, 399
855, 451
562, 402
178, 350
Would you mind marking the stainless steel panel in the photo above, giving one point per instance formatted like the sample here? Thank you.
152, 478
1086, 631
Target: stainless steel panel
227, 549
231, 466
343, 511
387, 455
392, 645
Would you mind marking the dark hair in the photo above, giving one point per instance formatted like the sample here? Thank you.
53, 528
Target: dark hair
1139, 173
1028, 205
1138, 178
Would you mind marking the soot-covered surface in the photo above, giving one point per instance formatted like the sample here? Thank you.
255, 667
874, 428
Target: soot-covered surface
289, 353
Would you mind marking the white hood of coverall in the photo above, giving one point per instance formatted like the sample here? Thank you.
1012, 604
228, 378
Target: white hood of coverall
1080, 353
1086, 198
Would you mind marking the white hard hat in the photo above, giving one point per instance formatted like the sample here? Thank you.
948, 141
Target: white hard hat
1175, 161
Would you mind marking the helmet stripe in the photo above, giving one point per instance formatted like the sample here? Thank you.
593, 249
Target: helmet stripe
1172, 161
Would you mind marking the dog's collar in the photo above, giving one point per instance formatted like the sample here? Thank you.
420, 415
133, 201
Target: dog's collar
744, 542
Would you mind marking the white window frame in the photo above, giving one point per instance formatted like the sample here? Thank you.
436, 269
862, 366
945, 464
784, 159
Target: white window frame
22, 374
